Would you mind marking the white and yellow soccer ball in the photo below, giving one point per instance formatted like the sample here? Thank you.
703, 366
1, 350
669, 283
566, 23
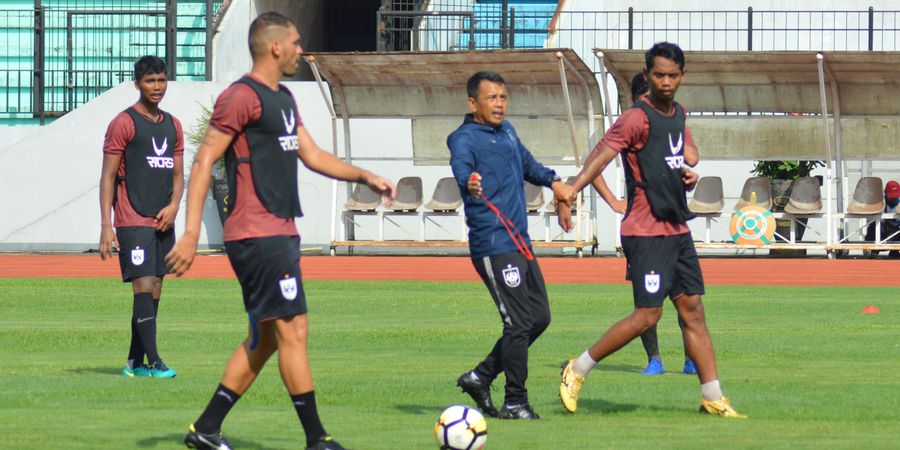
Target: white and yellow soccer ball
460, 428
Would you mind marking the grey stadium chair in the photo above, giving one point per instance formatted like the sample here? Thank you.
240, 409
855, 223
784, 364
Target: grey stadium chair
363, 198
868, 197
446, 196
763, 190
534, 197
806, 197
409, 194
708, 196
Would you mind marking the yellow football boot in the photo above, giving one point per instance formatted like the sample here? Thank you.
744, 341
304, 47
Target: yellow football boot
570, 386
721, 407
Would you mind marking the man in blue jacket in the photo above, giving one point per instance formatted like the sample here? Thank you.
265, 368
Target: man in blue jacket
490, 165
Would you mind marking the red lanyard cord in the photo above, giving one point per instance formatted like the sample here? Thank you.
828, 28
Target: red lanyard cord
514, 233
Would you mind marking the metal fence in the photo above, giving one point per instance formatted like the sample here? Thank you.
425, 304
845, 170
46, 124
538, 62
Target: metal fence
489, 26
862, 30
63, 53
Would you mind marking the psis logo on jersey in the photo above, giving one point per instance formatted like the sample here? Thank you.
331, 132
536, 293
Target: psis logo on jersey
651, 282
137, 256
289, 142
288, 288
677, 160
511, 276
159, 161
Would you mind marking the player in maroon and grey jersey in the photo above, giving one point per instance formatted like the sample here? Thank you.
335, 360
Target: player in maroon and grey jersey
142, 179
256, 125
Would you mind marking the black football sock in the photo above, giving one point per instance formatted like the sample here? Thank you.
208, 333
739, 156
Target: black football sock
145, 321
136, 350
651, 343
214, 414
305, 404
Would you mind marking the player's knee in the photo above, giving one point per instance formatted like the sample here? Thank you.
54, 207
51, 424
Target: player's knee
143, 285
646, 318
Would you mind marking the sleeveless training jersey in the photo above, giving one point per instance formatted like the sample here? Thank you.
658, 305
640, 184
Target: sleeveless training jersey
661, 161
273, 152
150, 163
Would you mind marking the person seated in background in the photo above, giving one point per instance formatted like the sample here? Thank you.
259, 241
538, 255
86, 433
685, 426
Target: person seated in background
889, 227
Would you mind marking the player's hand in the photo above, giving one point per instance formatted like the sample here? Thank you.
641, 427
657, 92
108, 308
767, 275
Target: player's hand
619, 206
563, 193
565, 216
382, 186
689, 178
165, 218
182, 255
474, 185
108, 240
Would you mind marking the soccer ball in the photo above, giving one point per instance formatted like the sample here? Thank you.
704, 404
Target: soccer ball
460, 428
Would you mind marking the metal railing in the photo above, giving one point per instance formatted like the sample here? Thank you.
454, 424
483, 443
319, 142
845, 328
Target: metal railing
60, 54
423, 31
862, 30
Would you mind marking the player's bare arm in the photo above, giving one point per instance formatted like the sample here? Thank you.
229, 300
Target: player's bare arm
616, 204
108, 238
594, 165
691, 155
165, 218
689, 178
214, 145
562, 192
327, 164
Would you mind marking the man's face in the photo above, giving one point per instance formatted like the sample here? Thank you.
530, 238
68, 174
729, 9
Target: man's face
152, 87
289, 57
664, 77
490, 106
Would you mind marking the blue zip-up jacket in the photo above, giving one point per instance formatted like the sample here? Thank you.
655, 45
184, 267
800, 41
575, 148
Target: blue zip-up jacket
503, 162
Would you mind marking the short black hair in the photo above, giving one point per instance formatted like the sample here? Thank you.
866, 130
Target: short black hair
260, 24
474, 82
667, 50
639, 86
149, 64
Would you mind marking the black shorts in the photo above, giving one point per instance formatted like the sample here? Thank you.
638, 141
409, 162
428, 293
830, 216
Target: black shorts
269, 272
142, 251
660, 267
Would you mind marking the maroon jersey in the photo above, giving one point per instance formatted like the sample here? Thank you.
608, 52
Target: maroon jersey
236, 107
119, 133
629, 134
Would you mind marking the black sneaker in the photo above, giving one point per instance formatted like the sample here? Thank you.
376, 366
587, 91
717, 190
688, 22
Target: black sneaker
516, 412
212, 441
480, 393
326, 443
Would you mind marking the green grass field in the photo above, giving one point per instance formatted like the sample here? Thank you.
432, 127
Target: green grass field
803, 363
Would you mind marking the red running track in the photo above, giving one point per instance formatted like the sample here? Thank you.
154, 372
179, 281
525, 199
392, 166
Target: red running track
716, 271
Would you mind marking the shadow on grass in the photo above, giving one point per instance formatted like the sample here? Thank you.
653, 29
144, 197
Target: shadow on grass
600, 406
97, 370
419, 410
178, 438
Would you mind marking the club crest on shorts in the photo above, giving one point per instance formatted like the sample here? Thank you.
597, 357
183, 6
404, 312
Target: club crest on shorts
137, 256
511, 276
288, 287
651, 282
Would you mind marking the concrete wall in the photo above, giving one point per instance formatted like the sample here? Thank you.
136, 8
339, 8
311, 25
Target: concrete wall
49, 196
231, 58
49, 180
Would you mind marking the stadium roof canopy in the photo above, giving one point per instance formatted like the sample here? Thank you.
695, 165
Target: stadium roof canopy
775, 102
430, 89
